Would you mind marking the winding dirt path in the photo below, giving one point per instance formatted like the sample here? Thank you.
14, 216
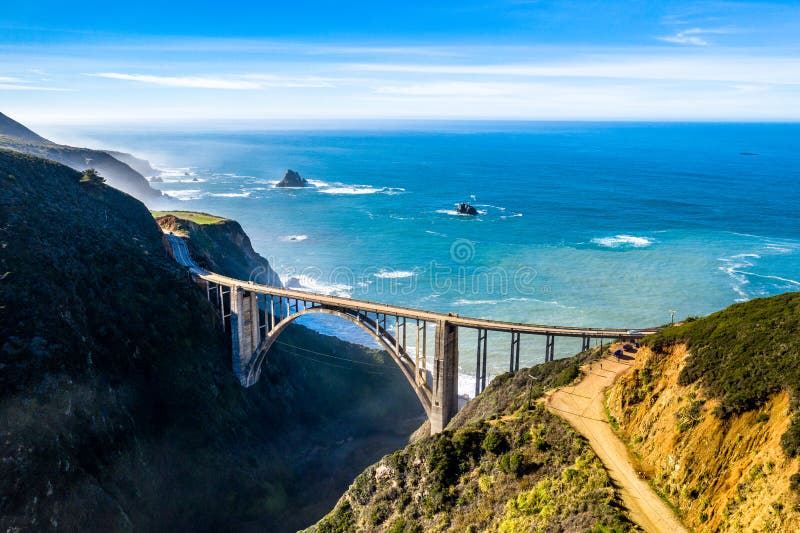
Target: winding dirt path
582, 406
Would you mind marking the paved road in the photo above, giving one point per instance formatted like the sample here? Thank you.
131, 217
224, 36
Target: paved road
183, 257
583, 408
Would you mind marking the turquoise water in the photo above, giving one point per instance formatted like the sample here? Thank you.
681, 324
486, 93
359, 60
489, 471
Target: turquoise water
580, 224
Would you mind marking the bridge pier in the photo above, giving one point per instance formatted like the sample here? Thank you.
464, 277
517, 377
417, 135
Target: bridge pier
244, 334
445, 376
549, 348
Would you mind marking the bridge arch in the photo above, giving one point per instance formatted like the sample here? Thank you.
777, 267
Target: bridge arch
386, 340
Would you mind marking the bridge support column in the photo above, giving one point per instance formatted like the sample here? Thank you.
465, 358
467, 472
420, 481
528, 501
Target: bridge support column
550, 348
445, 376
244, 333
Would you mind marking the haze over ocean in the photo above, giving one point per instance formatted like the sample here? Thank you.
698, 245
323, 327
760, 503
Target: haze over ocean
591, 224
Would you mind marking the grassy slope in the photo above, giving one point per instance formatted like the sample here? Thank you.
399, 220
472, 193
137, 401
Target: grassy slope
504, 464
192, 216
743, 355
118, 406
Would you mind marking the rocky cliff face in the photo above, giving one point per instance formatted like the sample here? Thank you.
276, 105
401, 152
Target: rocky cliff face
15, 136
503, 464
710, 410
118, 407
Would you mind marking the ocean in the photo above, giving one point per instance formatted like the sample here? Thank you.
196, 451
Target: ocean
598, 224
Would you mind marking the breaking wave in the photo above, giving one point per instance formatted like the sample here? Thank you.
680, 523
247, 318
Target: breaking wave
623, 241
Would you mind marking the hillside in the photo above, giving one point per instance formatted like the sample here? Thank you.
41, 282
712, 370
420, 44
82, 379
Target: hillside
503, 464
710, 409
142, 166
118, 405
15, 136
11, 128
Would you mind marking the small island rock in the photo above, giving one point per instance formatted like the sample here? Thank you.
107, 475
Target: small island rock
464, 208
292, 179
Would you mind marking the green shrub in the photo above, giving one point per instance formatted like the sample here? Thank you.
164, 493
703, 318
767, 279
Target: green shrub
512, 463
567, 376
495, 442
689, 416
790, 440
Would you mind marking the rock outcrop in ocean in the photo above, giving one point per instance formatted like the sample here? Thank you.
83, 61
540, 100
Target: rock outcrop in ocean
464, 208
293, 179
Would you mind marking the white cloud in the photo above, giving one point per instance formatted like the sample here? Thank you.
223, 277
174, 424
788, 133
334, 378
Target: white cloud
195, 82
238, 82
719, 68
9, 83
692, 36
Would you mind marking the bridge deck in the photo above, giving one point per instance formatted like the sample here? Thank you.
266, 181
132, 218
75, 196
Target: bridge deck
183, 257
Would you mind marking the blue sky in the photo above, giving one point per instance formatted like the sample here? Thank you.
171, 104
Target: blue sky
95, 62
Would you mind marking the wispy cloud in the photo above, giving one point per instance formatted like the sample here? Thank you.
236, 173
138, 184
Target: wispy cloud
195, 82
10, 83
234, 82
669, 67
692, 36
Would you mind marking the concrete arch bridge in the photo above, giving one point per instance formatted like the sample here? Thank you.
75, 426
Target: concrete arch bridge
255, 315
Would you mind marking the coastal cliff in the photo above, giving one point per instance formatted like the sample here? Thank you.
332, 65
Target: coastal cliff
119, 408
219, 245
710, 411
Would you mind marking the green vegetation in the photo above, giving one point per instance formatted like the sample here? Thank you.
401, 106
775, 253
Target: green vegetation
743, 355
91, 176
193, 216
689, 415
500, 466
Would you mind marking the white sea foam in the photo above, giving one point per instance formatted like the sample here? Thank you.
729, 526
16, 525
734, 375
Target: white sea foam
732, 267
294, 238
361, 189
395, 274
243, 194
490, 205
623, 241
735, 265
465, 301
176, 172
186, 194
453, 212
309, 284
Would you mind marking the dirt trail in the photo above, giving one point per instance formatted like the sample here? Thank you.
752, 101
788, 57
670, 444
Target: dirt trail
582, 406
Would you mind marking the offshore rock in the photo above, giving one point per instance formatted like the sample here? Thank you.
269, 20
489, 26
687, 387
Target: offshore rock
464, 208
292, 179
